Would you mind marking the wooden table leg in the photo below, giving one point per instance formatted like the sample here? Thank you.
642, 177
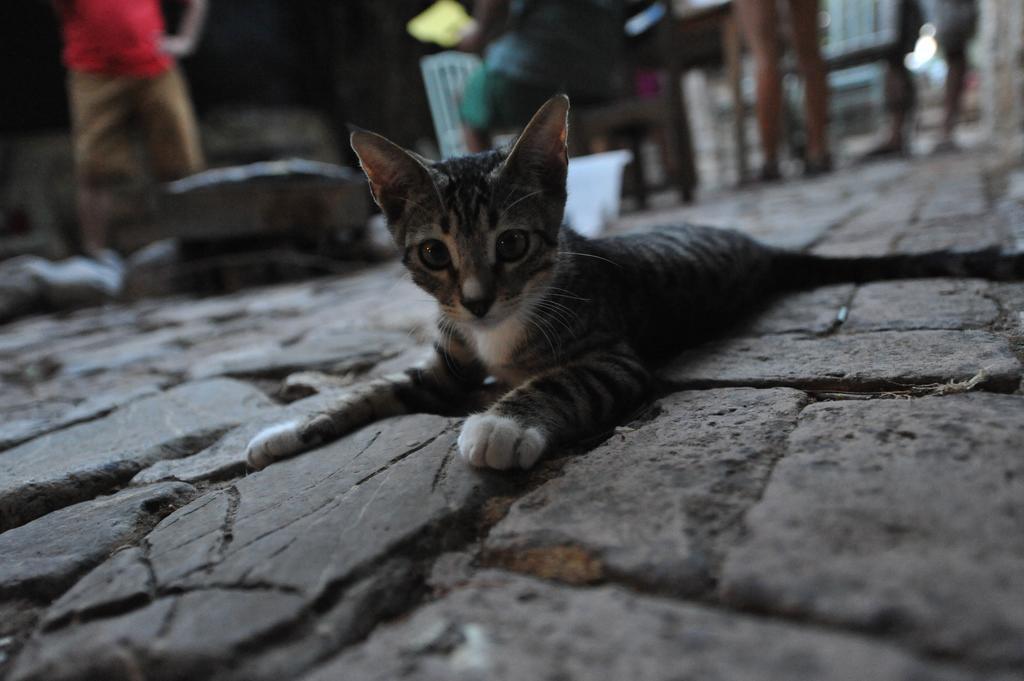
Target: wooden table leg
637, 175
734, 73
678, 128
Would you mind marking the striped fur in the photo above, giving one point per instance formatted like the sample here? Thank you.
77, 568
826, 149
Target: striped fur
573, 326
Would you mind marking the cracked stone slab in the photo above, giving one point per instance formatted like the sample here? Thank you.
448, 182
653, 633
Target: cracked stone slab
514, 628
331, 350
656, 505
901, 517
861, 239
22, 430
42, 558
961, 234
325, 512
308, 528
56, 330
123, 579
800, 234
183, 635
962, 198
24, 412
136, 350
15, 617
46, 384
898, 208
185, 312
16, 431
15, 395
226, 457
807, 312
79, 462
887, 360
383, 594
286, 300
1013, 215
1011, 300
382, 298
921, 304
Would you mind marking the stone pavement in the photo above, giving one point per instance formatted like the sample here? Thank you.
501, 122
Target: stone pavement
834, 491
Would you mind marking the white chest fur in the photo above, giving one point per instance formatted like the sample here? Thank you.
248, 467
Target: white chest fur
496, 345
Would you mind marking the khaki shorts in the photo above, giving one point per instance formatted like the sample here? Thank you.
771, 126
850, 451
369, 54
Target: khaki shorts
107, 110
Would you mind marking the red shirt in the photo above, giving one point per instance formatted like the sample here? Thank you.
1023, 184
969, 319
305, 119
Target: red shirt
113, 37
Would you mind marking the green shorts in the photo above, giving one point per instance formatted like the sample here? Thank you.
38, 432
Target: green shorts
493, 101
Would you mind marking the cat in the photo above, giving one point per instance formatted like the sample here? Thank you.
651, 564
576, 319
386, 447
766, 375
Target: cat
571, 327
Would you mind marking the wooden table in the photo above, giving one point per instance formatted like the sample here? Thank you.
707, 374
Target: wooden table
701, 18
677, 46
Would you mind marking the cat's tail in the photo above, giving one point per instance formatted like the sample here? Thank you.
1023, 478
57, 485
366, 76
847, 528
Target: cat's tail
803, 270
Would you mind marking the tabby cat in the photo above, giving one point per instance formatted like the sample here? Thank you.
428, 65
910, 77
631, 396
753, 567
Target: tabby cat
570, 326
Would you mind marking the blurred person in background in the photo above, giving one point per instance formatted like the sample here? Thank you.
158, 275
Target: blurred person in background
759, 22
533, 49
122, 79
122, 75
955, 22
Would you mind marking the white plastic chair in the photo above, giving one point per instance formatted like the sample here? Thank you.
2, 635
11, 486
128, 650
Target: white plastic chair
858, 25
445, 75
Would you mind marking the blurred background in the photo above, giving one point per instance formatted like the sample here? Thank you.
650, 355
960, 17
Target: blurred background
273, 80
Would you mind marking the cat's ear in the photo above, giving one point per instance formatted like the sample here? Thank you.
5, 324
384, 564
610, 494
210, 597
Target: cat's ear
540, 156
399, 180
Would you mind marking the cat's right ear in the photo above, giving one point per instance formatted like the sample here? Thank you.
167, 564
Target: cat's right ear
399, 182
540, 156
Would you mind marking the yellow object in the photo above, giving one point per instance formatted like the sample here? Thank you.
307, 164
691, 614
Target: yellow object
442, 23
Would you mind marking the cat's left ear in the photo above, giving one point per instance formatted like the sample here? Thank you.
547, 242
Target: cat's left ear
540, 156
399, 180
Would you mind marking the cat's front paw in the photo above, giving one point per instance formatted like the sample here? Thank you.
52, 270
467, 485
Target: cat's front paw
278, 442
500, 442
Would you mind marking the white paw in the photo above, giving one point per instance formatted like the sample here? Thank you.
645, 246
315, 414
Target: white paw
500, 442
275, 442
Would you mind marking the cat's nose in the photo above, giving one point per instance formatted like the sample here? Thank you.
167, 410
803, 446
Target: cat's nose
479, 306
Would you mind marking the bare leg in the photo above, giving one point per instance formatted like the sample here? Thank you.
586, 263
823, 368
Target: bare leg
900, 91
808, 52
95, 209
759, 22
957, 62
899, 97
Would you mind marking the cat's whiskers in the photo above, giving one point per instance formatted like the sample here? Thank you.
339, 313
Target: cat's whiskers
549, 318
559, 295
543, 297
447, 328
565, 293
536, 322
538, 302
533, 310
551, 321
590, 255
560, 306
564, 314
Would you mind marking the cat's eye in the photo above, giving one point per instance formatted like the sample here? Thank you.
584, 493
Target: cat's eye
512, 245
434, 254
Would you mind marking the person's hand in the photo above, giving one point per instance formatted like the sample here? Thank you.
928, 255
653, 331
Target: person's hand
472, 40
176, 45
